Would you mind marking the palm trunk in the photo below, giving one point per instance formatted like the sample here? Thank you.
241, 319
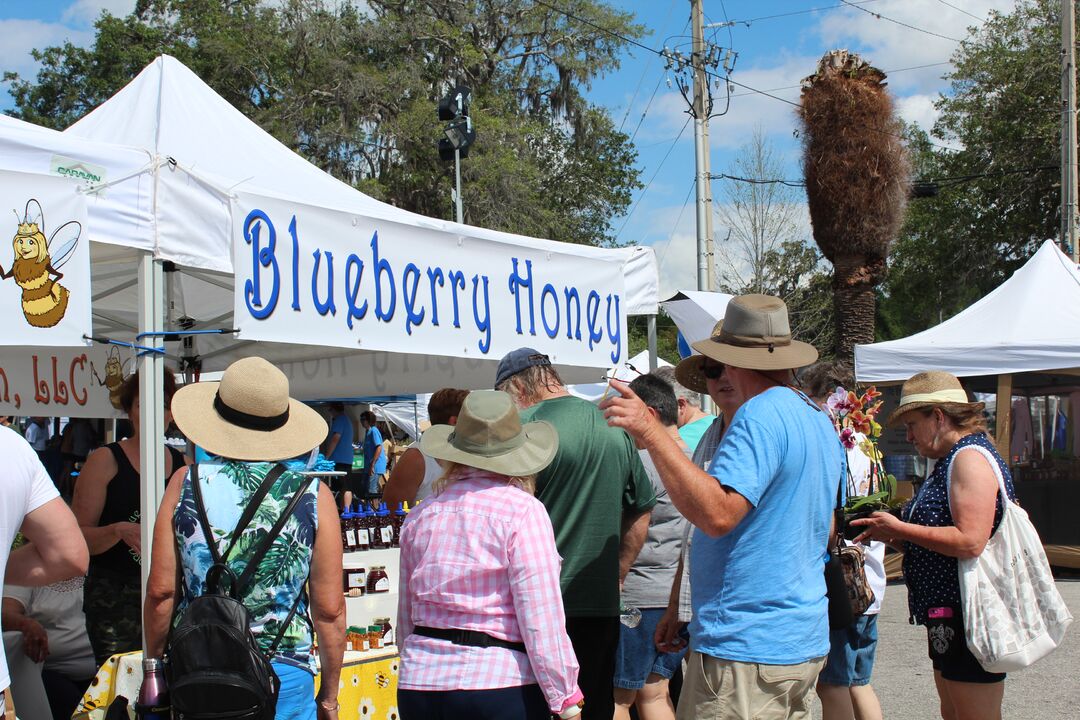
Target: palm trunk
854, 280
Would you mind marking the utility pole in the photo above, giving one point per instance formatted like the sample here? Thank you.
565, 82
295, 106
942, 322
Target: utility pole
1068, 130
700, 111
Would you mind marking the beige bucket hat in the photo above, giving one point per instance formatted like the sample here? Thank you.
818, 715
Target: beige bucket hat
689, 370
934, 387
755, 334
248, 415
489, 435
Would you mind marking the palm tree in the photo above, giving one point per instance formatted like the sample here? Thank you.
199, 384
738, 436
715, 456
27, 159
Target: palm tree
857, 179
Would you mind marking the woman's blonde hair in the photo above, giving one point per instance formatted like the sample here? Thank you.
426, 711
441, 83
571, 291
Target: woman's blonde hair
964, 416
452, 471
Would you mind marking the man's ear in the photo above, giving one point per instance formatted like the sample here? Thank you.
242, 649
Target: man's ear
452, 420
653, 412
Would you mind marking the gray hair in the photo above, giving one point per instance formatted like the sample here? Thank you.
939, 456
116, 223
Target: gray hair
667, 374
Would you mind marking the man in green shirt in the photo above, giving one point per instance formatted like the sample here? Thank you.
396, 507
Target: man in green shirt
598, 497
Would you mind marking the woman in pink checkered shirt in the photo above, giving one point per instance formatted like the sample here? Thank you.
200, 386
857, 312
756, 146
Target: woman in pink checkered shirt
481, 622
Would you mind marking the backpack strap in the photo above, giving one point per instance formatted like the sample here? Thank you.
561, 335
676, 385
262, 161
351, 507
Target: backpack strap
268, 540
285, 622
245, 518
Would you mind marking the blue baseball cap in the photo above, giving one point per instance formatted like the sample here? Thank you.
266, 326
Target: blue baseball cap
518, 360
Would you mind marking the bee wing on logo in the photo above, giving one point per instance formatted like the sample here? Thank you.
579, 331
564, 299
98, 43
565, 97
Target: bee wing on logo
63, 242
33, 213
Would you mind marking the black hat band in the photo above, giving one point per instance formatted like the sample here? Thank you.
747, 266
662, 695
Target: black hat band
247, 420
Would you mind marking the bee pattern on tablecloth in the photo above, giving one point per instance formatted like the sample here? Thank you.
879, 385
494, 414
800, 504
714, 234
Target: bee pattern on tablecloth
36, 265
382, 680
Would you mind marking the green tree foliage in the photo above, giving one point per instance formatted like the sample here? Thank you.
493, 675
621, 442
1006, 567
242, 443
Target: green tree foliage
1000, 194
354, 90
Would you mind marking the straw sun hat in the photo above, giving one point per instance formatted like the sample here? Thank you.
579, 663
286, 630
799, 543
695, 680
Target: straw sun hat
489, 435
755, 334
248, 415
931, 388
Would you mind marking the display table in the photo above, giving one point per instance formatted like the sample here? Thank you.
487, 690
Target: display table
368, 686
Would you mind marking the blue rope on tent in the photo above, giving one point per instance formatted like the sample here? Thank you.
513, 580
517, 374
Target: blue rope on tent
143, 350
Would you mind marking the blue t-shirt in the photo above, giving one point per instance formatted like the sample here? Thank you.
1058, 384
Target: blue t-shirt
758, 592
343, 451
372, 440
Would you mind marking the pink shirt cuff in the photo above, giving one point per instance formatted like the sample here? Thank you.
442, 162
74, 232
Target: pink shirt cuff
572, 700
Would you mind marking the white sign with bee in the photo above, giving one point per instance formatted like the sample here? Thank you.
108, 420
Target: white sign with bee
45, 279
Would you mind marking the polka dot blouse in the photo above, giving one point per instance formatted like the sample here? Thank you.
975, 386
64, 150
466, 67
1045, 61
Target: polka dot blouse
931, 577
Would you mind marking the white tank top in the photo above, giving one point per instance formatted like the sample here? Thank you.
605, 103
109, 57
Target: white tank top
432, 470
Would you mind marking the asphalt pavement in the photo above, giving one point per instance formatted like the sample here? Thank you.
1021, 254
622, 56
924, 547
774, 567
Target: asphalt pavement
904, 680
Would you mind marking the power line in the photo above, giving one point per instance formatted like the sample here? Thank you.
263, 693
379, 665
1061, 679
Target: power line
675, 227
879, 16
655, 173
887, 72
748, 22
940, 182
644, 72
960, 9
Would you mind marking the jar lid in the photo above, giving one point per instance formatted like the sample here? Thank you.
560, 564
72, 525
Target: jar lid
381, 620
375, 628
378, 567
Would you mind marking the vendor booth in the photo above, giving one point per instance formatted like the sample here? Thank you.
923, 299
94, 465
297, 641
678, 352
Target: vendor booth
204, 240
1020, 342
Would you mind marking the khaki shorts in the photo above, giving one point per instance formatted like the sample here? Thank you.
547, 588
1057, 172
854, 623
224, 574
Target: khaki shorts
727, 690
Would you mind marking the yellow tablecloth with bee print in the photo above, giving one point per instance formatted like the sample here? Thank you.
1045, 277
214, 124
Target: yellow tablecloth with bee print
367, 690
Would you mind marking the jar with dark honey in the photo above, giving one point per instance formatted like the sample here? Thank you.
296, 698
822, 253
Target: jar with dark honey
377, 580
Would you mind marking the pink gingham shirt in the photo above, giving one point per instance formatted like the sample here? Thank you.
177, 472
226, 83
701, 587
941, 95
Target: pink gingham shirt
481, 556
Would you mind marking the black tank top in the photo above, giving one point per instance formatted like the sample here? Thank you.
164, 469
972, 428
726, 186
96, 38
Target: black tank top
122, 505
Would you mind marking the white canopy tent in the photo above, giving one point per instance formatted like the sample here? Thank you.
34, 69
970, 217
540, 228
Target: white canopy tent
1029, 324
170, 156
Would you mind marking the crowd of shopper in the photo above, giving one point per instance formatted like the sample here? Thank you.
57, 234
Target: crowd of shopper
565, 558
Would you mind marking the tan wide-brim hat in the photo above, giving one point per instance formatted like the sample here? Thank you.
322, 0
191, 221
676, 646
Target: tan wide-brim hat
755, 334
689, 370
489, 435
931, 388
248, 415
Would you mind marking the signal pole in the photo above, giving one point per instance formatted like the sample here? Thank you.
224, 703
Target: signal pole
1069, 190
703, 182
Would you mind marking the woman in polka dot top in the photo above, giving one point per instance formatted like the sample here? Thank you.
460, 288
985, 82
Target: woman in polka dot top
952, 516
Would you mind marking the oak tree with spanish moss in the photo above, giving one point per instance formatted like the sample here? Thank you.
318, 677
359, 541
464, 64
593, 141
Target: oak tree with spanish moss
857, 178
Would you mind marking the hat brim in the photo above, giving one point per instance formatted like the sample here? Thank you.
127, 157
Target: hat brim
689, 374
532, 456
193, 412
894, 417
781, 357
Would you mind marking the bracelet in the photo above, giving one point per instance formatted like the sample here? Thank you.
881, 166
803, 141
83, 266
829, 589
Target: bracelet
325, 706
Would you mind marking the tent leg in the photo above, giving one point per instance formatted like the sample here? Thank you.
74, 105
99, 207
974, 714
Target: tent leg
151, 404
1003, 427
652, 342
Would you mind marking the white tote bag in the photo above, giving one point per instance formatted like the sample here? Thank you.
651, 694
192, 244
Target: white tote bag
1013, 612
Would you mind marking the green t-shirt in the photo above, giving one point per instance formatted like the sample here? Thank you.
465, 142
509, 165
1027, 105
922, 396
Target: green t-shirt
595, 477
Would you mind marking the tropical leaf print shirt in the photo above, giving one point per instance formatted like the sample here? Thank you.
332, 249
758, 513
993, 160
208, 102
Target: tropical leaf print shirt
226, 490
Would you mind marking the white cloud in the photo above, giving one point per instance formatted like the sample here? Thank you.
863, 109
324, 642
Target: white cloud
22, 36
676, 250
918, 109
86, 12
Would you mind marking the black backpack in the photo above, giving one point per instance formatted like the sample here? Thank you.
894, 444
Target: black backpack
213, 665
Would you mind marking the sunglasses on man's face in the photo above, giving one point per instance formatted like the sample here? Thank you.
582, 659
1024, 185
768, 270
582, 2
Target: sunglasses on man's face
711, 371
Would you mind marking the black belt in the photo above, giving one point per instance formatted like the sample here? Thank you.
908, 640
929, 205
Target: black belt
472, 638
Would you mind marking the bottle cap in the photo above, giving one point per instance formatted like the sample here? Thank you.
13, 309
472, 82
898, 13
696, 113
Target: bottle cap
151, 665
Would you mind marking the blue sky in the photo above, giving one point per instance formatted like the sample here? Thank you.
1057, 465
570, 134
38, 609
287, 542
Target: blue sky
913, 40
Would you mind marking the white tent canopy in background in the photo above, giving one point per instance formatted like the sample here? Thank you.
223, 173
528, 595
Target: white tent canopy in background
1030, 323
637, 365
173, 196
696, 312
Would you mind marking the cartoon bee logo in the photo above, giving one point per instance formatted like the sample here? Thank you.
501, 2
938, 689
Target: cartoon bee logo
382, 680
35, 268
115, 374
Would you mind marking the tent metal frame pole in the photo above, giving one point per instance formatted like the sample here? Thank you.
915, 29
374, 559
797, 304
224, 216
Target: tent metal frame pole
652, 343
151, 404
1003, 424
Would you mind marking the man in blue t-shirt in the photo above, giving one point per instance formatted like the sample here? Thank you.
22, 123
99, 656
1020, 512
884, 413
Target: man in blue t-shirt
763, 510
374, 458
338, 448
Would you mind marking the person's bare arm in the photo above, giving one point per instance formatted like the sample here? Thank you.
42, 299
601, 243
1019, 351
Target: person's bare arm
56, 551
710, 506
332, 444
13, 617
972, 496
635, 528
666, 636
327, 601
161, 582
89, 500
405, 479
